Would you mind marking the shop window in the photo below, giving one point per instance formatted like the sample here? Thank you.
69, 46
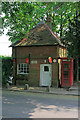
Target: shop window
23, 68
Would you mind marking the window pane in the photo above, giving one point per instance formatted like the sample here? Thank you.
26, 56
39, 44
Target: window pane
66, 74
46, 68
18, 68
23, 68
25, 65
19, 71
25, 71
21, 65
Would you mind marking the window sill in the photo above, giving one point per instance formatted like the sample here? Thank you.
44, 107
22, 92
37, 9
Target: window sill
22, 73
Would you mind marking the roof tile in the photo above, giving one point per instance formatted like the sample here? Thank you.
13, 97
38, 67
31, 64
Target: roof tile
41, 34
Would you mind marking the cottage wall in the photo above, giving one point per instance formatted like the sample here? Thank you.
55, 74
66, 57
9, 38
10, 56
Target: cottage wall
37, 52
39, 55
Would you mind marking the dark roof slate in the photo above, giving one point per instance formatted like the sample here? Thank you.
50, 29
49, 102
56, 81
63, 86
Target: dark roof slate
41, 34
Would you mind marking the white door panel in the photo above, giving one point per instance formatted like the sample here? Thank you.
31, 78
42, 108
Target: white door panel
45, 75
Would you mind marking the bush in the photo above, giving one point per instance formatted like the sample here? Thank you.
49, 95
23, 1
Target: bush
7, 66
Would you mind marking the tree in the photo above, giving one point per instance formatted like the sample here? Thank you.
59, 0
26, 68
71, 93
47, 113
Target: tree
20, 17
72, 39
17, 18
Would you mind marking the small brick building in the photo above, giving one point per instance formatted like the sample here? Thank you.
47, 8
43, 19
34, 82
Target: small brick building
40, 44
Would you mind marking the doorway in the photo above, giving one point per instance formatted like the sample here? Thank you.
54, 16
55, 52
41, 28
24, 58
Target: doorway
45, 75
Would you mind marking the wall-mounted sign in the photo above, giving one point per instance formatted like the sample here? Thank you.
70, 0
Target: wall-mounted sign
66, 60
27, 60
50, 60
54, 60
44, 61
34, 62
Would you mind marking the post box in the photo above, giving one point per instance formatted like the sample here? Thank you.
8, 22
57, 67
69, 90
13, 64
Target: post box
66, 72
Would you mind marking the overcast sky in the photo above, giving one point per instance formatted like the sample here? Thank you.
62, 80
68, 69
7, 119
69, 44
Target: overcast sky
4, 45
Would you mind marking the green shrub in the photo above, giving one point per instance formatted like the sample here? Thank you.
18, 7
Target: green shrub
7, 66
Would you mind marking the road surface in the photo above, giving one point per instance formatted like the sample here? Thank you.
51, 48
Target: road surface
37, 105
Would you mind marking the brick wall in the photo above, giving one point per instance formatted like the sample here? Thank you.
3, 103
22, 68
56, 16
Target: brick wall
55, 74
38, 54
34, 75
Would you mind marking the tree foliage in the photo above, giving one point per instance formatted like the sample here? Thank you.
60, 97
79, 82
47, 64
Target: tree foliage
20, 17
72, 41
72, 36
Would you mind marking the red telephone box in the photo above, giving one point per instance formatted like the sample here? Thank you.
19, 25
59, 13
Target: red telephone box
66, 72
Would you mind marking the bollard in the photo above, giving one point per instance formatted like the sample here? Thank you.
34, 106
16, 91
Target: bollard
48, 89
26, 87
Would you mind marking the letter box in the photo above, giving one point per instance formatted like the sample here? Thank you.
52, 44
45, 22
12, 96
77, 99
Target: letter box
66, 72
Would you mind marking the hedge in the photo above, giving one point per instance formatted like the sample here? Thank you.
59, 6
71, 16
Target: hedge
7, 66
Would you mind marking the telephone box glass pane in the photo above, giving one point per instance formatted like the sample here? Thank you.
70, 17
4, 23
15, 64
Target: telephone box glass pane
66, 74
66, 66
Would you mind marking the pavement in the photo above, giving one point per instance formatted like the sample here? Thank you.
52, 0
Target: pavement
74, 90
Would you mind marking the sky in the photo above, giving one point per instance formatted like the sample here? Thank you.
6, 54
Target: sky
5, 50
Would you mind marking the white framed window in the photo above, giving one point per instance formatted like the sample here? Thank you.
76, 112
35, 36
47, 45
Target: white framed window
23, 68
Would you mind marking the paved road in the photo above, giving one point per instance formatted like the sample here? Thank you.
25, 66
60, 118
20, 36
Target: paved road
36, 105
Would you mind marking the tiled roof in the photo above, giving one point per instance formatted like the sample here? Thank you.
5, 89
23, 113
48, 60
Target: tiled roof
41, 34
